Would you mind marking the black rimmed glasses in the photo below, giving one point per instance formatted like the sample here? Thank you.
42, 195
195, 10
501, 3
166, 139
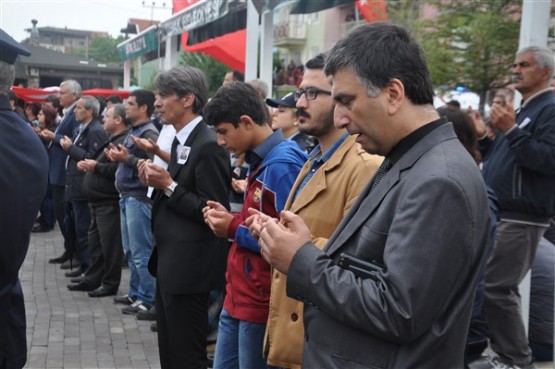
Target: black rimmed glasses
310, 93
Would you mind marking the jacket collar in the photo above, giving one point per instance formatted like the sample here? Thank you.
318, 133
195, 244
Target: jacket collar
318, 181
368, 202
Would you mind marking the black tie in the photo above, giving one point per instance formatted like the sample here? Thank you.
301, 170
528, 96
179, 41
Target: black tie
380, 173
173, 153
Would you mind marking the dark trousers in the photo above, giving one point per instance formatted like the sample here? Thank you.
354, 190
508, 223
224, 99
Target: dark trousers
59, 210
47, 219
105, 246
77, 222
182, 329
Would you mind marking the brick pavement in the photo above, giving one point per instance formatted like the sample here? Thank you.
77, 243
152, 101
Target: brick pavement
71, 330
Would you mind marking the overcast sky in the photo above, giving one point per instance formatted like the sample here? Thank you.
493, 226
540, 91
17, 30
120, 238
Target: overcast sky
89, 15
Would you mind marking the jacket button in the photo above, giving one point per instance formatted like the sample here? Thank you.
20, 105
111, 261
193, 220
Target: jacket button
294, 317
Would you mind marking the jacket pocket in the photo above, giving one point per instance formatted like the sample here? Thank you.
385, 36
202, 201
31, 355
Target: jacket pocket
258, 276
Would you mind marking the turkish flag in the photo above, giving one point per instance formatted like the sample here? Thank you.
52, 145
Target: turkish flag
228, 49
372, 10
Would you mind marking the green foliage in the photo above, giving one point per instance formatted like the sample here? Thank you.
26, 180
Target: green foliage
404, 12
472, 43
102, 49
213, 69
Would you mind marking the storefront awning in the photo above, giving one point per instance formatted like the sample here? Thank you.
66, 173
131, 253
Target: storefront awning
140, 44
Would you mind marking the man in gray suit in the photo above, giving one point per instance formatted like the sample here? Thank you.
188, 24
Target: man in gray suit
394, 285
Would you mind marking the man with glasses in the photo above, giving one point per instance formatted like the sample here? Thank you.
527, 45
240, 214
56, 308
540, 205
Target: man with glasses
326, 188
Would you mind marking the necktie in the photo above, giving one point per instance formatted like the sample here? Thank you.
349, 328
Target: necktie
173, 153
380, 173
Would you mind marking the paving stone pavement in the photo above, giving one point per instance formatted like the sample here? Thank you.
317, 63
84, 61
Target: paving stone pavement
72, 330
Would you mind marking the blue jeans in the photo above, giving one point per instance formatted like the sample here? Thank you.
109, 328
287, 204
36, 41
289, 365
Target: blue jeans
239, 344
136, 238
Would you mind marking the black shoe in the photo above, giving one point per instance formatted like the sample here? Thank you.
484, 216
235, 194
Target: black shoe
60, 259
154, 327
149, 314
81, 286
70, 264
78, 279
40, 229
76, 272
103, 291
123, 299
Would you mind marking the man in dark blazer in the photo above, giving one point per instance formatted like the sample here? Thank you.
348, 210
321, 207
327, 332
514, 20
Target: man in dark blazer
23, 180
419, 230
87, 140
69, 93
188, 260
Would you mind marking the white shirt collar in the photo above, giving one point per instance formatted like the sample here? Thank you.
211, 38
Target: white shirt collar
184, 133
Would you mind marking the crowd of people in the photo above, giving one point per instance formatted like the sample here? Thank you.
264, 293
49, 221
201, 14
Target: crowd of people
354, 225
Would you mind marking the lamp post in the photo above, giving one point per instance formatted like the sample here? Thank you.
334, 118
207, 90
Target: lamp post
153, 6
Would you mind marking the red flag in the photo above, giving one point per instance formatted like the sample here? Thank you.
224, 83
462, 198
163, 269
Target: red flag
372, 10
228, 49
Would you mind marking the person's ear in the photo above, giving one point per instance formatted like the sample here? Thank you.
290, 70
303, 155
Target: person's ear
188, 100
395, 94
247, 122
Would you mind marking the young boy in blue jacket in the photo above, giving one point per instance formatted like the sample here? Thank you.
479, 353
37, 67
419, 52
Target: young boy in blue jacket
239, 117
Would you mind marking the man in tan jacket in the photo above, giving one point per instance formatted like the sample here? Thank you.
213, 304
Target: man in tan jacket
328, 184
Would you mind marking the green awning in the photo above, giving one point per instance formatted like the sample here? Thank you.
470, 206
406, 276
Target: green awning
139, 45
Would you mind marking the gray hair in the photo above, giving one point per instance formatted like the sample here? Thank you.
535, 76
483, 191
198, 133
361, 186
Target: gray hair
260, 86
91, 103
182, 80
119, 111
7, 76
73, 87
543, 56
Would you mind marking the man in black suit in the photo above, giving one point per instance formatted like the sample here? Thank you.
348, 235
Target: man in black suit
24, 168
70, 92
188, 259
88, 139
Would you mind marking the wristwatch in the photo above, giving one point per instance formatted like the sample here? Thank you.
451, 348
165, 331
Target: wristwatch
170, 189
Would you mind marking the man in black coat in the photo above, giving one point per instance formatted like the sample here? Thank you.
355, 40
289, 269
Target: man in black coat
189, 261
104, 275
23, 179
87, 140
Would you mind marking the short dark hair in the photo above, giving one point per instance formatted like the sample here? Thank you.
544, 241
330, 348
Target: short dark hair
114, 99
318, 62
182, 80
12, 96
53, 99
233, 100
144, 97
379, 52
238, 76
35, 108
